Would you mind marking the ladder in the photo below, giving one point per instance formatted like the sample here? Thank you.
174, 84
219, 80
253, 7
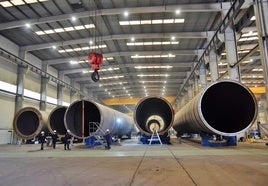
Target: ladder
97, 134
155, 137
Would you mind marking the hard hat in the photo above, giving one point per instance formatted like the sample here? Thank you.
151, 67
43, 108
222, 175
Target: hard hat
107, 130
55, 131
42, 132
68, 130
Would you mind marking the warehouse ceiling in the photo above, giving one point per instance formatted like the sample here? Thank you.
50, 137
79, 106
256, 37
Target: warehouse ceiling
149, 47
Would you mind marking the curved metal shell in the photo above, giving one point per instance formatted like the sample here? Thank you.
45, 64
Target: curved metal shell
56, 120
151, 112
80, 116
225, 107
29, 122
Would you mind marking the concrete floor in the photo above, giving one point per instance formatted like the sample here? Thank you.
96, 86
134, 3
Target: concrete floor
135, 164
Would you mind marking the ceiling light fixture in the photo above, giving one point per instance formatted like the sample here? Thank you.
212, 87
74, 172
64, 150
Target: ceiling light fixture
73, 18
28, 25
126, 14
177, 11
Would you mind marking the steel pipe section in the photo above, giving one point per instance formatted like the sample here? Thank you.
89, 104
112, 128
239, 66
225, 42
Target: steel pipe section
225, 108
29, 122
56, 120
153, 113
81, 115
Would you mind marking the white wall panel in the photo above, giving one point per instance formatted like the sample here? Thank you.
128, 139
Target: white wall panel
32, 82
8, 72
7, 108
9, 46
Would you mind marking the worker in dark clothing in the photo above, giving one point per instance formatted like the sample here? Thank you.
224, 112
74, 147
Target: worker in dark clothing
67, 139
42, 139
54, 139
108, 139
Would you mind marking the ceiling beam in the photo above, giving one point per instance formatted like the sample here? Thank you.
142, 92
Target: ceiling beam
175, 65
175, 74
204, 7
130, 101
184, 35
133, 53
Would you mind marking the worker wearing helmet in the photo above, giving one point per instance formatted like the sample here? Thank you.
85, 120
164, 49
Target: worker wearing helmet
108, 139
42, 139
54, 139
67, 139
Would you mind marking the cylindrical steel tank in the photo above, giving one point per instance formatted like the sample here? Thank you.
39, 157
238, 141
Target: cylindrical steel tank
29, 122
225, 108
153, 113
56, 120
81, 115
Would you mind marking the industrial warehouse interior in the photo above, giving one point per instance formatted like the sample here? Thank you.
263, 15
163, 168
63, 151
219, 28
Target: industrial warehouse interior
130, 92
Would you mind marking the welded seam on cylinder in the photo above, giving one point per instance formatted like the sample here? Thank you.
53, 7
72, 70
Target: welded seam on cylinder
135, 173
189, 175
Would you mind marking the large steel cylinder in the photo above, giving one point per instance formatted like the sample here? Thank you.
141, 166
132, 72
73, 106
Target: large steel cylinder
153, 113
56, 120
84, 117
29, 122
225, 108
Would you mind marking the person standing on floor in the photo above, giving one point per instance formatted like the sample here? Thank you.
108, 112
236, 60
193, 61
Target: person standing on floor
108, 139
42, 139
67, 140
54, 139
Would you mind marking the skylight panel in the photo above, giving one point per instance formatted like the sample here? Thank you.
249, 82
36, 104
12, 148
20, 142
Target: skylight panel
152, 43
156, 43
124, 22
144, 43
153, 56
150, 67
66, 29
40, 33
6, 4
69, 50
85, 48
61, 51
17, 2
49, 31
58, 30
134, 22
30, 1
179, 20
69, 29
138, 43
81, 27
90, 26
168, 21
112, 77
166, 43
158, 21
146, 22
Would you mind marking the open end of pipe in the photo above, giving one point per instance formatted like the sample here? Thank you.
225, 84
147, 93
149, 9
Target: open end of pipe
27, 123
82, 116
155, 123
153, 112
56, 120
228, 107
